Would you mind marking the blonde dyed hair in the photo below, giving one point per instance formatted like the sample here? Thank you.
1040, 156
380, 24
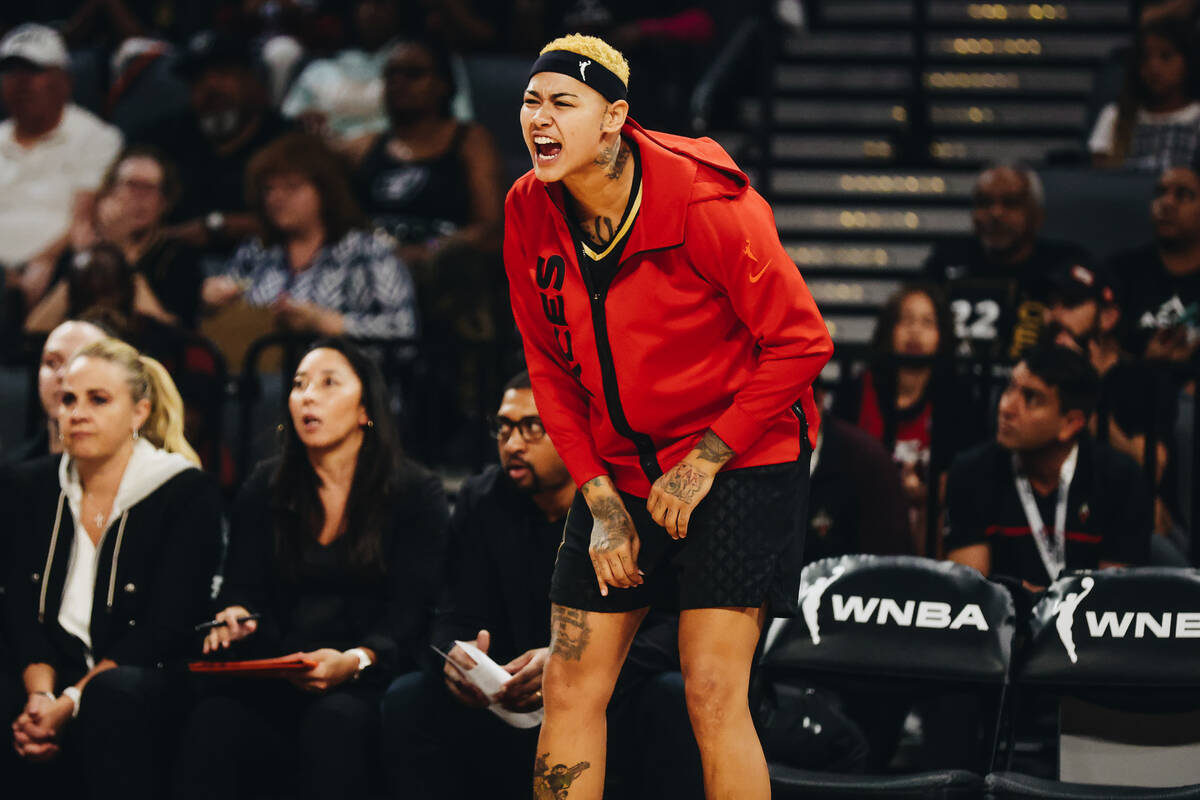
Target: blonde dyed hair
594, 48
148, 379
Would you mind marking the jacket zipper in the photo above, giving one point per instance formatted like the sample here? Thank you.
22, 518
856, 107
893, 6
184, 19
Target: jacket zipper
647, 457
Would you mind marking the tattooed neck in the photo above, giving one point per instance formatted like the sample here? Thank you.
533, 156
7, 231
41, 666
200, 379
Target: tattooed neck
613, 160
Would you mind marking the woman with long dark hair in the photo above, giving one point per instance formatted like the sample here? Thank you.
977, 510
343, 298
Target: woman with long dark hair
1155, 123
336, 547
896, 401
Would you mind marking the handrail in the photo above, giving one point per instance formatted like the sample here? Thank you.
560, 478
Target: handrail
700, 105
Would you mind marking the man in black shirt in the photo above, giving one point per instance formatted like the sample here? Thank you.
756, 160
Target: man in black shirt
997, 280
1084, 314
1161, 280
228, 122
1043, 497
504, 537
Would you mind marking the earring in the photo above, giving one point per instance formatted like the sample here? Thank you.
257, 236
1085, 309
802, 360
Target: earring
60, 436
136, 435
279, 428
370, 423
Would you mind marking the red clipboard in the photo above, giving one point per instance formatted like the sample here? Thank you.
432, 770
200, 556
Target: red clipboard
261, 668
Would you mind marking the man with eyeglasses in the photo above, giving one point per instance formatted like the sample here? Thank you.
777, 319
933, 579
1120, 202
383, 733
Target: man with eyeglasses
505, 533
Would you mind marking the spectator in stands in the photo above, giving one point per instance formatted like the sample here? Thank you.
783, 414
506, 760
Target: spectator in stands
1083, 313
342, 96
228, 122
165, 273
338, 545
122, 538
53, 155
431, 181
313, 267
504, 538
847, 465
1161, 281
62, 343
996, 280
98, 280
1043, 497
1155, 124
436, 185
896, 402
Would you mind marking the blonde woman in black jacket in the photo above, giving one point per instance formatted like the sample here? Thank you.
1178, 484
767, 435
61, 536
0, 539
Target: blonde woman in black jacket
114, 556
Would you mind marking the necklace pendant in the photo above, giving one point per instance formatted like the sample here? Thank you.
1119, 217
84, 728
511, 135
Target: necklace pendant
99, 519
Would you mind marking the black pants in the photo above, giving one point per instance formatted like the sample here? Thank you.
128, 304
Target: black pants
435, 747
121, 740
266, 738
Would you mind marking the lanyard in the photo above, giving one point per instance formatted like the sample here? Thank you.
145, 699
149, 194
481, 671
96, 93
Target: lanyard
1053, 553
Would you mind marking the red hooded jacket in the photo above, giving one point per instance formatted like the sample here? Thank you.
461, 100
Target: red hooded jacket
706, 323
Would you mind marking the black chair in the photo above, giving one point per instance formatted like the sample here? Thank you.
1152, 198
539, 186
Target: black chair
1106, 211
895, 625
1123, 641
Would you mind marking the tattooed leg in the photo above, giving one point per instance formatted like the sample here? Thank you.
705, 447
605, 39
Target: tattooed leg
586, 652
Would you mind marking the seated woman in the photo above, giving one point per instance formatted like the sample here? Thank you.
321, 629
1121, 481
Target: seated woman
434, 183
136, 195
115, 550
1155, 124
313, 266
899, 401
337, 546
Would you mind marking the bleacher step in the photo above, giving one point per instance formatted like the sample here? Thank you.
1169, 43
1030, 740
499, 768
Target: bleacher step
872, 219
829, 255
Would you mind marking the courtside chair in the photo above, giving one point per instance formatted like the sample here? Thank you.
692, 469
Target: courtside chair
1120, 650
895, 625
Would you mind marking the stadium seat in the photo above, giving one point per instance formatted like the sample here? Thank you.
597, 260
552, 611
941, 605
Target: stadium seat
1124, 642
1013, 785
1106, 211
496, 85
894, 624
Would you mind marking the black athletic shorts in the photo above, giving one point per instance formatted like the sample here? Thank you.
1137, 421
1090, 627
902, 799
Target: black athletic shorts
744, 548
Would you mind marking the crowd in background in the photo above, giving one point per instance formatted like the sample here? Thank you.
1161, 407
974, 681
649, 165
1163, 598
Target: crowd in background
178, 172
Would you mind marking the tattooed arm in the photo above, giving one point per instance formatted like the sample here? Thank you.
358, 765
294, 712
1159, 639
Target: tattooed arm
677, 493
615, 544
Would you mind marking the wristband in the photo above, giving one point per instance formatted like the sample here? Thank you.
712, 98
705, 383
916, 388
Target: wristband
47, 694
76, 696
364, 660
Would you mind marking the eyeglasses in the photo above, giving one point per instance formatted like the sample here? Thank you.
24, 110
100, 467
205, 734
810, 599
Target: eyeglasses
531, 428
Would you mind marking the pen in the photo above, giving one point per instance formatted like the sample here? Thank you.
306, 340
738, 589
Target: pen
207, 626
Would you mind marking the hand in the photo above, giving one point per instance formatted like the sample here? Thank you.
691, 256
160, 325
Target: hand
676, 494
914, 486
1170, 344
231, 631
300, 316
523, 692
463, 690
36, 730
615, 544
332, 669
219, 290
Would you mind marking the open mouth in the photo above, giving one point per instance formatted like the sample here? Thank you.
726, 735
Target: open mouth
310, 422
517, 470
547, 148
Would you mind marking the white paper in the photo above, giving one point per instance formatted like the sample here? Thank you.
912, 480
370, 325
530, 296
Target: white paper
489, 677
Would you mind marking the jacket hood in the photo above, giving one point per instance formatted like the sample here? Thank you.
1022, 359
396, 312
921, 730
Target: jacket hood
716, 173
147, 470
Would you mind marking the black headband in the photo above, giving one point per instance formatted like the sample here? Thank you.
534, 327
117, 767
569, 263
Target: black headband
582, 68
